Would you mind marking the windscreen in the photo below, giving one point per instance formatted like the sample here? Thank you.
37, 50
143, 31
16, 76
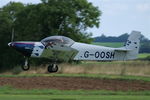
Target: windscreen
57, 40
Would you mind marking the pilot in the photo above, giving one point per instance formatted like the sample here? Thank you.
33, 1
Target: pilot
49, 44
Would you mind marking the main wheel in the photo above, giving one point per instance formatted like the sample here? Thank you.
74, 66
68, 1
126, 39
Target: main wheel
52, 68
25, 68
25, 65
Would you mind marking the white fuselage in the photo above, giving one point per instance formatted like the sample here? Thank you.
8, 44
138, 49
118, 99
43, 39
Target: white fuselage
82, 52
60, 47
93, 52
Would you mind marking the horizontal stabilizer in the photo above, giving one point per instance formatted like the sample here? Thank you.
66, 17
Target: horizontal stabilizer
122, 49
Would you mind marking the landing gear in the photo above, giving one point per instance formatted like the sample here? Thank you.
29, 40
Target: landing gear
26, 65
52, 68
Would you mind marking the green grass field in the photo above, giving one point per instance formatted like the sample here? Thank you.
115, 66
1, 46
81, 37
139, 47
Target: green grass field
143, 55
72, 97
8, 90
9, 93
108, 44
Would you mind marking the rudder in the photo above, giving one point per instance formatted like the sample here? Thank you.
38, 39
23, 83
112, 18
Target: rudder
133, 43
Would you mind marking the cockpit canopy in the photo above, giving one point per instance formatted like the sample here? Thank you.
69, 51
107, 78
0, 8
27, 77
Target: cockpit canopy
57, 40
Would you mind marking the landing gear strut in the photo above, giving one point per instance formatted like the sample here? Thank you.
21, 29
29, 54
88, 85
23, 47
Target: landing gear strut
26, 65
52, 68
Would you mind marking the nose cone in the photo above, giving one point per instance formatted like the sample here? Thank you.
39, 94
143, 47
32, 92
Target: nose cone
10, 44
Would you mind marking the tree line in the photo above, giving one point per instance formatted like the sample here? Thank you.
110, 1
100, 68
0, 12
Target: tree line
145, 42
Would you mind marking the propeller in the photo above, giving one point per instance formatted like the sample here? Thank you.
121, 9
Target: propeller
13, 30
12, 35
12, 38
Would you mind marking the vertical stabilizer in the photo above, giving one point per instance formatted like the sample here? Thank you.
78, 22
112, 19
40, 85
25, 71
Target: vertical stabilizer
133, 43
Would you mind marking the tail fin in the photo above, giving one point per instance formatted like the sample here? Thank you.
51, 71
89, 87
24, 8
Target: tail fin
133, 43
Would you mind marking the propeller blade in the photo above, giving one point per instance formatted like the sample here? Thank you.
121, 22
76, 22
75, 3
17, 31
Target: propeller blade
12, 35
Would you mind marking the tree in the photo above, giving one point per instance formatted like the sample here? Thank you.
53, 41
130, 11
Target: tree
7, 15
57, 17
145, 47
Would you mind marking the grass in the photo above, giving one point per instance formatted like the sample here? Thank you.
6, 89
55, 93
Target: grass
138, 70
109, 44
70, 97
143, 55
12, 91
123, 68
9, 93
100, 76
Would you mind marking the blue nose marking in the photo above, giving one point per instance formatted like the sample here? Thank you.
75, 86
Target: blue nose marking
24, 48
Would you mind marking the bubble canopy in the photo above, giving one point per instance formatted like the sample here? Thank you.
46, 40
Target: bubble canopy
58, 40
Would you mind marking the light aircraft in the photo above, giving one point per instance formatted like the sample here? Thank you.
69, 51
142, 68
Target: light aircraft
61, 47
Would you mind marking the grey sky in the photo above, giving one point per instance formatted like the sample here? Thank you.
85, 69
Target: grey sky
118, 16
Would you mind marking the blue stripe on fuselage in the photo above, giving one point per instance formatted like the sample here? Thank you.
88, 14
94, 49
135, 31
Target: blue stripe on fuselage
25, 48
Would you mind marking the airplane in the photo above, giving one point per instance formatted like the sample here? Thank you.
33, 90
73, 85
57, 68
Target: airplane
61, 47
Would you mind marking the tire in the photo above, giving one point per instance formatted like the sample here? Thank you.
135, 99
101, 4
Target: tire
52, 68
25, 68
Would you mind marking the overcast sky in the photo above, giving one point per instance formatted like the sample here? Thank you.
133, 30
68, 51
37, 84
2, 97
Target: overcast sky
118, 16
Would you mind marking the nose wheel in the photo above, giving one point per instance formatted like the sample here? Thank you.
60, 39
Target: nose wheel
52, 68
26, 65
